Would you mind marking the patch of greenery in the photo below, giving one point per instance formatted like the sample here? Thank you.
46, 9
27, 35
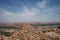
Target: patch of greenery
6, 33
12, 27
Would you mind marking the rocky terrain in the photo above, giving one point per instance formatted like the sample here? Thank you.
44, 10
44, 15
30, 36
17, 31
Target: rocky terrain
28, 32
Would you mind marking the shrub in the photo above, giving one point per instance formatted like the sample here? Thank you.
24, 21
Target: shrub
6, 33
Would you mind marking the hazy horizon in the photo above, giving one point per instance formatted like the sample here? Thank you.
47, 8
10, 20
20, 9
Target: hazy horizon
29, 11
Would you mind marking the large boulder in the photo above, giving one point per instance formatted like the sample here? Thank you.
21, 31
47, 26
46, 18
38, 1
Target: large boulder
53, 35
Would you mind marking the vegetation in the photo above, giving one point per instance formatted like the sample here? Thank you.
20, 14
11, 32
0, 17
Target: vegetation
6, 33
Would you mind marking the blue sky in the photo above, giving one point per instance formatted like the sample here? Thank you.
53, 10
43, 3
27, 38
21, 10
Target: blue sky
29, 10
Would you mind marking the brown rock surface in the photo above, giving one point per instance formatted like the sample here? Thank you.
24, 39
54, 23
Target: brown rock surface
28, 32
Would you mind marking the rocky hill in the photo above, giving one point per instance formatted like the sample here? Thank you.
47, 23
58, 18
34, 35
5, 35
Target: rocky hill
28, 32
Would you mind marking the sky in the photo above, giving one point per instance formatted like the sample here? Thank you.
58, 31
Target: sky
29, 10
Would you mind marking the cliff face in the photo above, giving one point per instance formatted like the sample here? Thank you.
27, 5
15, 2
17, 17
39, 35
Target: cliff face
28, 32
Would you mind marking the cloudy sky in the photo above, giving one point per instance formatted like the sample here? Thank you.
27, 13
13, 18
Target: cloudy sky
29, 10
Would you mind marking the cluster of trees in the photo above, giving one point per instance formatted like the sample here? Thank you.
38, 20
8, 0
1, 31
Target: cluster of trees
6, 33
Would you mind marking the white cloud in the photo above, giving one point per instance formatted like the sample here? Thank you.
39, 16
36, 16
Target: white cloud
9, 14
42, 4
24, 16
28, 15
5, 12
